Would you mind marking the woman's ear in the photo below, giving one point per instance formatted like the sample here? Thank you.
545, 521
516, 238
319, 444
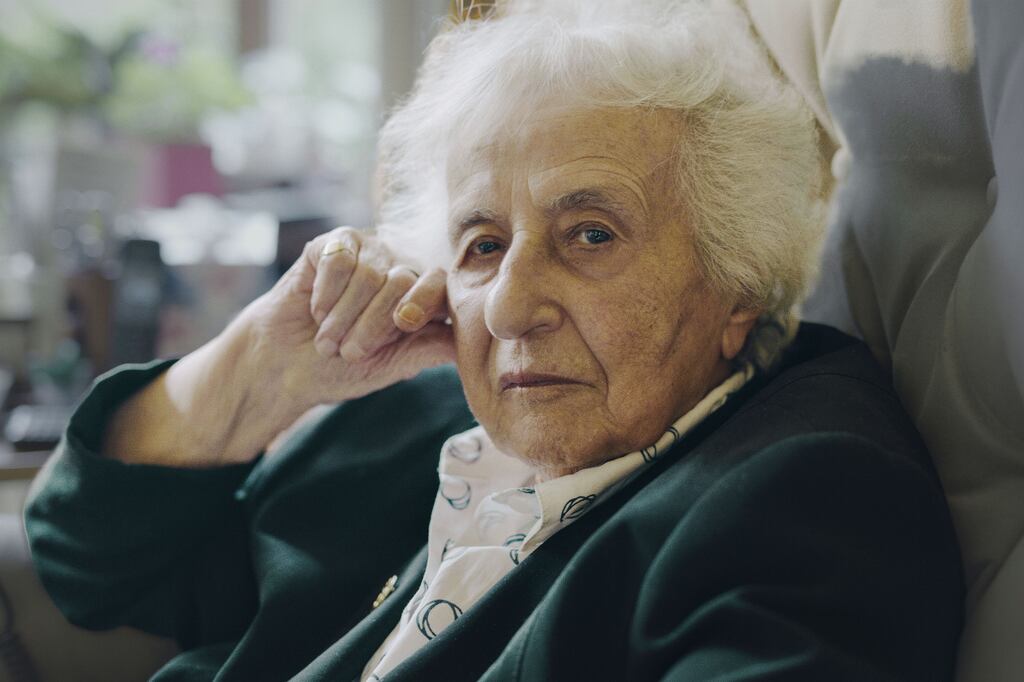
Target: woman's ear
737, 327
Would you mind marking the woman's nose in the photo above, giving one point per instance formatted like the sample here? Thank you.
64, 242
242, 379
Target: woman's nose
524, 296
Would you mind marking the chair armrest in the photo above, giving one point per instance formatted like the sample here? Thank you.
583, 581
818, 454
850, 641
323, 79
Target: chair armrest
120, 654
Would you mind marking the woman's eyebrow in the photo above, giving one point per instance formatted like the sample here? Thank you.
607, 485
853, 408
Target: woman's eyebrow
475, 217
588, 198
591, 198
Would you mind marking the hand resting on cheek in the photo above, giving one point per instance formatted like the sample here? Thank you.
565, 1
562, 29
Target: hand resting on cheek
347, 319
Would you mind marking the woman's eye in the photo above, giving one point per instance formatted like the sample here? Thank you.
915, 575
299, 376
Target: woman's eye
485, 247
595, 235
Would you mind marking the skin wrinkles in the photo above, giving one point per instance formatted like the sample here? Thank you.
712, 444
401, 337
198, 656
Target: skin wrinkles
573, 259
637, 186
587, 198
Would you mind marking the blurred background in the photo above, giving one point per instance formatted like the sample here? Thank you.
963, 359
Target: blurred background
162, 162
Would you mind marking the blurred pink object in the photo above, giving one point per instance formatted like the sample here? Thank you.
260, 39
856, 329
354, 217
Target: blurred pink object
170, 171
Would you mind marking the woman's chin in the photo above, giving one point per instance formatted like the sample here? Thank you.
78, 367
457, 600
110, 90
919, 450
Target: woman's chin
551, 450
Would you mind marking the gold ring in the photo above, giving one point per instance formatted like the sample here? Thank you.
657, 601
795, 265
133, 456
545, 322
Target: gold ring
335, 247
414, 273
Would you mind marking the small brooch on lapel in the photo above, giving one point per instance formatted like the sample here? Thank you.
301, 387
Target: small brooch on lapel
386, 591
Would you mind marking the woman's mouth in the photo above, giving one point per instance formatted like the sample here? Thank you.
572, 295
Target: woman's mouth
523, 380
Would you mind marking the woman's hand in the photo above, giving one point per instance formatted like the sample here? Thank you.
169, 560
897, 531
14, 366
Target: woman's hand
347, 319
344, 321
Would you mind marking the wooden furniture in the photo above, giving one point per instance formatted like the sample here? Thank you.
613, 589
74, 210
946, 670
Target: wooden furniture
19, 465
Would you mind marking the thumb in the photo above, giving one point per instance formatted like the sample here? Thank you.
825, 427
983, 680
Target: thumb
431, 346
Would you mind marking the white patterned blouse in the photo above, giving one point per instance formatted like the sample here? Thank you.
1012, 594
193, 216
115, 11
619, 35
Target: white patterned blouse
490, 514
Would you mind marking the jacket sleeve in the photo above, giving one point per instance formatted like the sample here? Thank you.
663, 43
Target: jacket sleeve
162, 549
822, 558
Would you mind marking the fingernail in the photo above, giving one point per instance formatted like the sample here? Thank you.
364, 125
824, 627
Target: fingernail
410, 312
351, 351
326, 347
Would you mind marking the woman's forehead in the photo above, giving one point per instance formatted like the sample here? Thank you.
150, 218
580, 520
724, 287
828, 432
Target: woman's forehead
566, 149
535, 128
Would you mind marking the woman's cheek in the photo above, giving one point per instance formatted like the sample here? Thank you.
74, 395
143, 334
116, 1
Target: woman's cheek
466, 309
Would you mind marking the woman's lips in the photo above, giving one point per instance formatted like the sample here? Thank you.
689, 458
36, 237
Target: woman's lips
514, 380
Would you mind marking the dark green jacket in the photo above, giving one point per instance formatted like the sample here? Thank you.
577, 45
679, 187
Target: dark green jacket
797, 534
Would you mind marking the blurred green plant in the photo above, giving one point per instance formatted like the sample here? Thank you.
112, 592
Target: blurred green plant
163, 91
144, 84
70, 73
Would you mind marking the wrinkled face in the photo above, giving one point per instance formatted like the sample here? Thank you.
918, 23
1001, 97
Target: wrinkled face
583, 325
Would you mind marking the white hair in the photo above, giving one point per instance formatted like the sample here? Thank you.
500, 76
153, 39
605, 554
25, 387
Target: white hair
747, 164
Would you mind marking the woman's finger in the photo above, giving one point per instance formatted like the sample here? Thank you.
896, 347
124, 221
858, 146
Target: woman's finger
375, 329
426, 301
367, 279
336, 255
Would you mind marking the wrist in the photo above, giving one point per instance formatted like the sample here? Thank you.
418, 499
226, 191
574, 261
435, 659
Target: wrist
201, 399
267, 389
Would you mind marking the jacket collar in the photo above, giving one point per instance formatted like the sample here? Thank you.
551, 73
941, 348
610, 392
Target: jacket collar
479, 636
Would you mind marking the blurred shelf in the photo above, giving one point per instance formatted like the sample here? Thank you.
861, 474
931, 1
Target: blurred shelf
20, 465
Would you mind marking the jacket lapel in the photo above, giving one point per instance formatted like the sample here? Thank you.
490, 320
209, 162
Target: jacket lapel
346, 658
468, 646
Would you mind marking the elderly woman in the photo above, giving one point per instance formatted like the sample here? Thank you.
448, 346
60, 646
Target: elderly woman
605, 216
